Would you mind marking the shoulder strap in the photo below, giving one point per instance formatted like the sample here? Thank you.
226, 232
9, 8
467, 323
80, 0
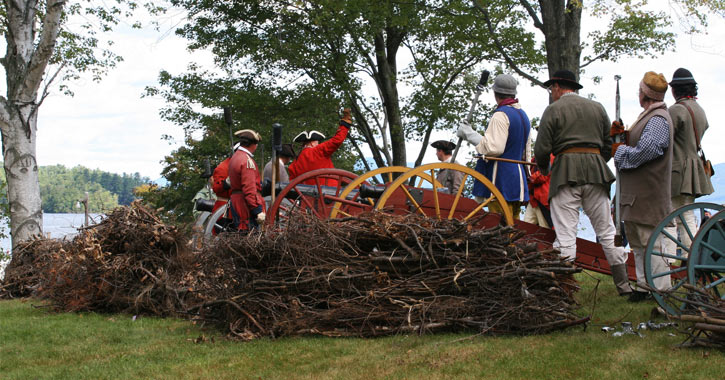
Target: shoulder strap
694, 124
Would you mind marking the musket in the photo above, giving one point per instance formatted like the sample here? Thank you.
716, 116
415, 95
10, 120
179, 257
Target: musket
276, 148
618, 241
479, 89
228, 120
504, 160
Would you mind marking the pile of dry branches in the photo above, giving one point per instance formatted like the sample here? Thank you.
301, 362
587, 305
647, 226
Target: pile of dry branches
379, 274
122, 264
371, 275
705, 309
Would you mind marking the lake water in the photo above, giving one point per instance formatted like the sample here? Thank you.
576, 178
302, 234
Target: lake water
57, 225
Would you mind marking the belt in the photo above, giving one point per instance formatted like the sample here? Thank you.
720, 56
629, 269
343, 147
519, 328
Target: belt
222, 199
580, 150
237, 191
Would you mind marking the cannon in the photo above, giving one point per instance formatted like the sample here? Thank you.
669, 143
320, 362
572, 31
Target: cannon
699, 259
695, 257
402, 190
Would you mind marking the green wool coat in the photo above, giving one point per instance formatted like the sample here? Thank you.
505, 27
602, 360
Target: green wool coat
688, 173
575, 121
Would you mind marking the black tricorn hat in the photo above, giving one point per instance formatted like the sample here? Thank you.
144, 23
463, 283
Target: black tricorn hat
306, 136
565, 77
444, 145
287, 151
682, 76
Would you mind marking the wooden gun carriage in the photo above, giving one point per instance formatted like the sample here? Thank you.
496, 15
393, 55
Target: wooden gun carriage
336, 193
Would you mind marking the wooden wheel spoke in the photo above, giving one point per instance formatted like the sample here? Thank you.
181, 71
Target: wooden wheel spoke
412, 200
714, 249
478, 208
713, 285
669, 272
458, 196
435, 195
684, 224
669, 256
674, 239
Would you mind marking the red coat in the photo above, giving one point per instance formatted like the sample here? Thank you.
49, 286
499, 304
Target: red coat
318, 157
221, 172
246, 186
539, 186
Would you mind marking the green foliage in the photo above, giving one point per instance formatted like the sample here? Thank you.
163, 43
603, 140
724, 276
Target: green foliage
61, 188
80, 48
255, 104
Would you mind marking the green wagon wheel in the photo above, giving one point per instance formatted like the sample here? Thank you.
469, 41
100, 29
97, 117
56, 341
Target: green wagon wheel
669, 251
706, 269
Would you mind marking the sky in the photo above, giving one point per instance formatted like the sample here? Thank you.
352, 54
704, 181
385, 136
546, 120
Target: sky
109, 126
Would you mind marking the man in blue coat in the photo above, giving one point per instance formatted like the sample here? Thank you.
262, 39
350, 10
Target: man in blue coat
507, 136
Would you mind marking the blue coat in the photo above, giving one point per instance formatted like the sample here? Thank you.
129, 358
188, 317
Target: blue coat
509, 178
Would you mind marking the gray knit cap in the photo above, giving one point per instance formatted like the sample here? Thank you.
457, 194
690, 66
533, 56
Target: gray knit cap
505, 84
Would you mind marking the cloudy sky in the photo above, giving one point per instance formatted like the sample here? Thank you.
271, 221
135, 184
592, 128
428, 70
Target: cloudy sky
109, 126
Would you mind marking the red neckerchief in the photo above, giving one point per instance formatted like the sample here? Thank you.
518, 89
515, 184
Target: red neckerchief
686, 97
508, 101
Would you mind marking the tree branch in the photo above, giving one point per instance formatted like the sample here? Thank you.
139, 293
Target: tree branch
509, 61
46, 44
532, 12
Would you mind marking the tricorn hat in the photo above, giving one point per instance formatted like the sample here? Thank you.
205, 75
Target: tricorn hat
287, 151
444, 145
306, 136
565, 77
249, 135
682, 76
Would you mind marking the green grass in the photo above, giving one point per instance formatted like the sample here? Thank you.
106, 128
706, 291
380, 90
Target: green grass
35, 344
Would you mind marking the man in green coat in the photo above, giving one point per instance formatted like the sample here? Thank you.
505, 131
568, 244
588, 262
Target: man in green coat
576, 130
689, 180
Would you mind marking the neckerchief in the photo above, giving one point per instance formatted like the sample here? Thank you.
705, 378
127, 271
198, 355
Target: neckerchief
507, 102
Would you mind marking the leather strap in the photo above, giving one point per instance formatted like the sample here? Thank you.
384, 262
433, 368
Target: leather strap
222, 199
694, 124
237, 191
577, 149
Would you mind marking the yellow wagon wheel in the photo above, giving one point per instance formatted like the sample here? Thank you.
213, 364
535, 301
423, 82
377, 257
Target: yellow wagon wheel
386, 173
448, 202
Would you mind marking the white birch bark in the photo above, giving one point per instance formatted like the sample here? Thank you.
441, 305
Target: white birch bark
25, 62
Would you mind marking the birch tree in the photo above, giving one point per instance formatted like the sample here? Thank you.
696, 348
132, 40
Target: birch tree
44, 48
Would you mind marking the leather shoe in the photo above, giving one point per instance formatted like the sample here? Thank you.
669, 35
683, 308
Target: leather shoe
639, 296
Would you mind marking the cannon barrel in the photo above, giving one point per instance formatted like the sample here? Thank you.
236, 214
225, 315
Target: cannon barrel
203, 204
366, 191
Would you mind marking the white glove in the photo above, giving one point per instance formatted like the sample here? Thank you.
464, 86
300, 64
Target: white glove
467, 133
260, 217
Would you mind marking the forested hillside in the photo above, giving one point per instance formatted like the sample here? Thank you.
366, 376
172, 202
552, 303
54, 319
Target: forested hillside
61, 188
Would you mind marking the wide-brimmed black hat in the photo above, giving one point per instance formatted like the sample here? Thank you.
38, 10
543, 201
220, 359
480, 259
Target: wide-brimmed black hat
682, 76
306, 136
444, 145
287, 151
565, 77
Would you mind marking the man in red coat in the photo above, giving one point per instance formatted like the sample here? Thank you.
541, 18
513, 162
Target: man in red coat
220, 185
246, 183
317, 155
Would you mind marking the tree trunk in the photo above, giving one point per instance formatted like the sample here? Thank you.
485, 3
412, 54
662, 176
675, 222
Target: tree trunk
385, 53
21, 171
25, 63
561, 26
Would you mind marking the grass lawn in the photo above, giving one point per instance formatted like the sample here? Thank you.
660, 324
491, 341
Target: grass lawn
36, 344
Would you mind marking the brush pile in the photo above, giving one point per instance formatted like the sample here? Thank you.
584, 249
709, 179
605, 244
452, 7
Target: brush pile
379, 274
705, 311
122, 264
371, 275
